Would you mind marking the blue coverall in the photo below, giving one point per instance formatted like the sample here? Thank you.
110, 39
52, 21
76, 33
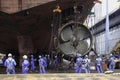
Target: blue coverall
45, 59
32, 63
111, 65
99, 65
25, 66
56, 62
87, 65
48, 61
78, 67
42, 65
10, 64
3, 60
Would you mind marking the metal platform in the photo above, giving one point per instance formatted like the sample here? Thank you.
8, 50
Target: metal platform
60, 76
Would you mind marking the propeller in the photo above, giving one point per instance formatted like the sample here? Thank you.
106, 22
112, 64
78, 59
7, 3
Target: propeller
75, 37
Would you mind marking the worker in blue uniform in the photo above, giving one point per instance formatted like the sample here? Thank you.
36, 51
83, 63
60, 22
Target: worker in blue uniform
111, 63
56, 62
3, 60
45, 59
99, 64
32, 63
78, 64
25, 65
42, 65
87, 64
48, 61
10, 64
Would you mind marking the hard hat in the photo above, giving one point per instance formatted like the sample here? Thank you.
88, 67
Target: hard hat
25, 57
9, 55
31, 55
55, 56
98, 55
46, 55
111, 55
79, 55
39, 56
86, 56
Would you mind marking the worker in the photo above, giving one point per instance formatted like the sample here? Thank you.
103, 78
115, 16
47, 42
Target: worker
48, 61
10, 64
3, 60
99, 64
111, 63
56, 62
87, 64
32, 63
78, 64
42, 65
45, 59
25, 65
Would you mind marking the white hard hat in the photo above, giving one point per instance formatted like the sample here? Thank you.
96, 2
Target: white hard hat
9, 55
86, 56
39, 56
98, 55
25, 57
111, 54
55, 56
79, 55
31, 55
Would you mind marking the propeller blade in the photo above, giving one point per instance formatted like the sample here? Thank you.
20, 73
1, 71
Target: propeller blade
66, 34
82, 46
67, 48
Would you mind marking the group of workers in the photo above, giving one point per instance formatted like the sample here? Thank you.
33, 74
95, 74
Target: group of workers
44, 62
84, 64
